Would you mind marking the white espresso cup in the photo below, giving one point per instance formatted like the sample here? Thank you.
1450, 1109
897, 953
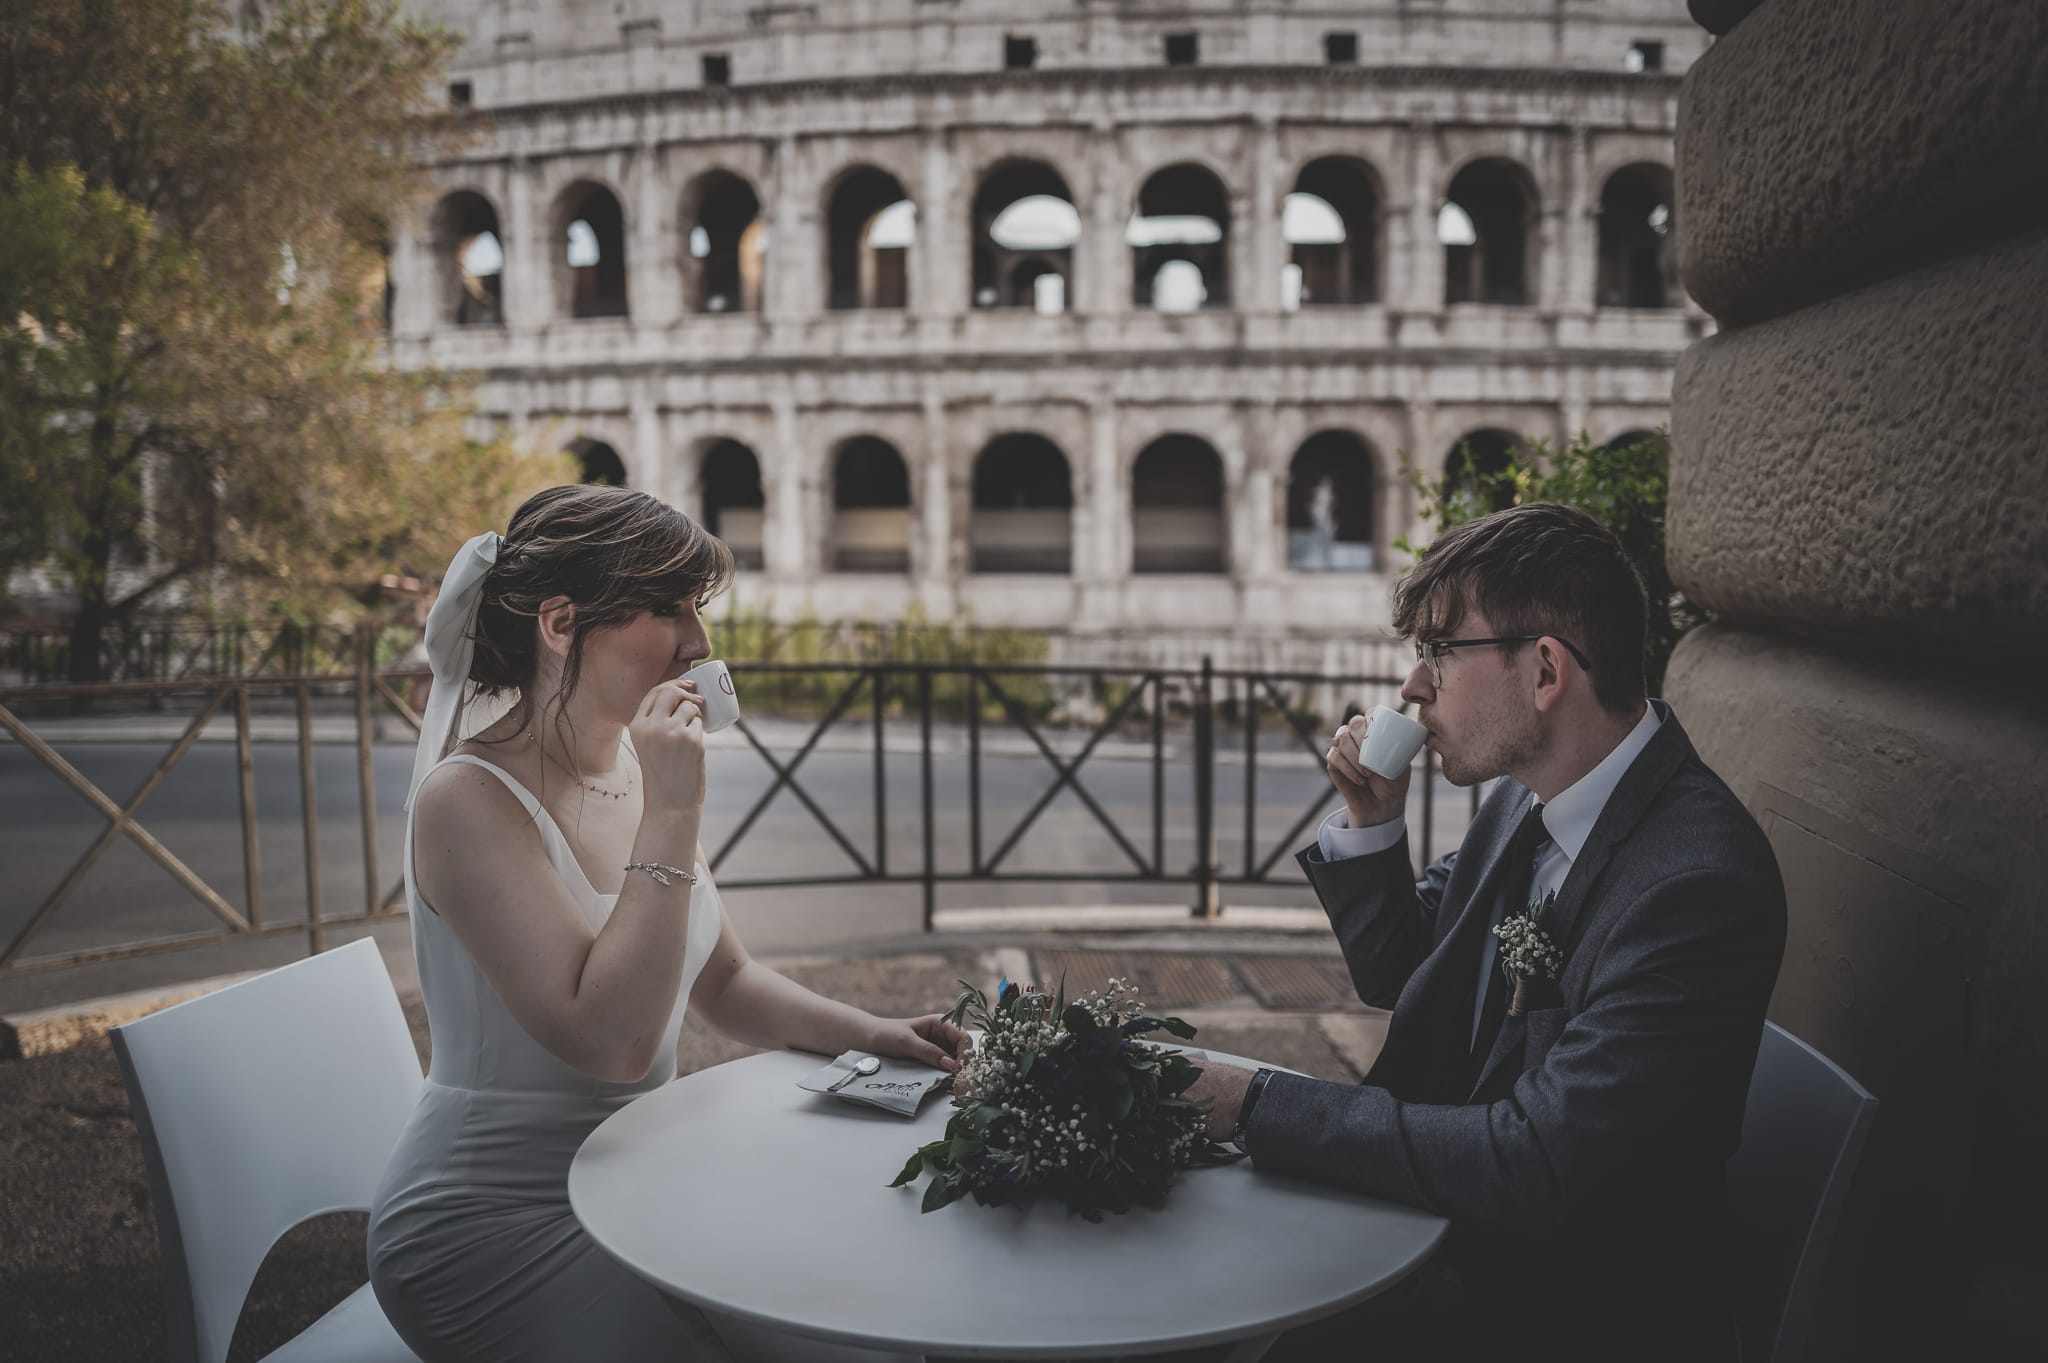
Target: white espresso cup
714, 688
1391, 742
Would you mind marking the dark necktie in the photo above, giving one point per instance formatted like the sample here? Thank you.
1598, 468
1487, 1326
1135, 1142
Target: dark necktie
1518, 875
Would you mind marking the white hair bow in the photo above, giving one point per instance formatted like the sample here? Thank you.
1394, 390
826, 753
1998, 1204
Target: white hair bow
451, 644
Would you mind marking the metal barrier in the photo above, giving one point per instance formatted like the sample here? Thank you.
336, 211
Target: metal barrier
1192, 704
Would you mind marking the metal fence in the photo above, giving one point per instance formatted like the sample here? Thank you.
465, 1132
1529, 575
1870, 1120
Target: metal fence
1202, 712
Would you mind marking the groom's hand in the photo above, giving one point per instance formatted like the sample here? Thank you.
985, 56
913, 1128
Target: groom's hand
1222, 1086
1369, 798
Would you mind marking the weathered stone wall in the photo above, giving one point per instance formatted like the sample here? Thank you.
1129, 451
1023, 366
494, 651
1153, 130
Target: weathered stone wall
1856, 493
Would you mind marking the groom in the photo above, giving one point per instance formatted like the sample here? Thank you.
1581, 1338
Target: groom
1577, 1143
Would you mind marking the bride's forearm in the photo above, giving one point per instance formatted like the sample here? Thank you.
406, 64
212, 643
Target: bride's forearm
764, 1008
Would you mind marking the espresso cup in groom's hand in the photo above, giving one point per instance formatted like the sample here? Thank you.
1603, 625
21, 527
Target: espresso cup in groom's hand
715, 692
1391, 742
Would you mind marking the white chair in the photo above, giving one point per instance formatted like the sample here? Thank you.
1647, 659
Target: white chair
260, 1106
1802, 1134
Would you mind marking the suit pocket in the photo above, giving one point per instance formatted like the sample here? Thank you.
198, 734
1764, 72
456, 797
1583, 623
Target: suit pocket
1541, 1029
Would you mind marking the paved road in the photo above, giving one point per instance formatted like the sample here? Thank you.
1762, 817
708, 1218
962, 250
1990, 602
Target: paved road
45, 827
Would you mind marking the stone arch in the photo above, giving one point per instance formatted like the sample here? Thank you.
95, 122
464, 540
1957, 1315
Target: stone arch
1182, 218
1638, 239
1023, 507
1332, 495
588, 229
1488, 229
733, 506
469, 260
1345, 271
1010, 253
725, 244
1491, 447
871, 512
863, 272
1177, 514
597, 461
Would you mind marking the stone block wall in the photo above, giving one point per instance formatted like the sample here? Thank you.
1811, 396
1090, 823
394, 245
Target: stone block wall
1857, 496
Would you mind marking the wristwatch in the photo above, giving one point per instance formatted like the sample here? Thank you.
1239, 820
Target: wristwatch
1244, 1111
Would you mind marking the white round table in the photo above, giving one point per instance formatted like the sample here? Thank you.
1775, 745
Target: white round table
756, 1200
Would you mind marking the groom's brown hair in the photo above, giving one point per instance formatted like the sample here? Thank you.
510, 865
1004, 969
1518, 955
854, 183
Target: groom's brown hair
1541, 568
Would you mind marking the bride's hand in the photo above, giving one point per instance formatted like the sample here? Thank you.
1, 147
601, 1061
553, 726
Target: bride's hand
668, 735
929, 1040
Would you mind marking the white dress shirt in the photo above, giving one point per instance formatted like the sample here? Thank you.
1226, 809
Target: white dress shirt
1567, 822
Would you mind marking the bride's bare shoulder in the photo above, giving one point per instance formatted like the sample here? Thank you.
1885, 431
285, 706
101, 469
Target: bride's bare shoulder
463, 798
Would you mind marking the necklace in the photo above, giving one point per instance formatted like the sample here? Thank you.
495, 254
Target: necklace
577, 777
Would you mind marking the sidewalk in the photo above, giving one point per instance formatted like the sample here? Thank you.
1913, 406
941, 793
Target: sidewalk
80, 1277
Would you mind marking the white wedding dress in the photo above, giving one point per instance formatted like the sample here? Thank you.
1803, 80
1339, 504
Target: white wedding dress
474, 1253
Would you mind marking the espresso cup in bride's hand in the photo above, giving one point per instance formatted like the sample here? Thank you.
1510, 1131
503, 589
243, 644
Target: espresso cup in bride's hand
714, 690
1391, 742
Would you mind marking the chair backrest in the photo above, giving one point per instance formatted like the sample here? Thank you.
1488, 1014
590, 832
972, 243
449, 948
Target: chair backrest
1802, 1133
260, 1106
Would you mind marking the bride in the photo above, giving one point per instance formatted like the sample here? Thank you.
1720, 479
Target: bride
560, 936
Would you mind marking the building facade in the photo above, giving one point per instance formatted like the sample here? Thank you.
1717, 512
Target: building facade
1078, 316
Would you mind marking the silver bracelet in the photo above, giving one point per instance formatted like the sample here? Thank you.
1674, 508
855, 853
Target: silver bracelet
663, 875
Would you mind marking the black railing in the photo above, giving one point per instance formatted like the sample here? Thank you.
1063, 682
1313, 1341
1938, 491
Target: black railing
1178, 722
1152, 703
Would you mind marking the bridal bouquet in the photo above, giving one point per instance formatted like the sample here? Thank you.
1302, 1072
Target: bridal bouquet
1064, 1100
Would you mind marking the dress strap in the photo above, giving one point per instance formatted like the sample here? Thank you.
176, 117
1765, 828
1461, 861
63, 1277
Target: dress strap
526, 797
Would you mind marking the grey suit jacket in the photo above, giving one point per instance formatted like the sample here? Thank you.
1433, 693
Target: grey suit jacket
1583, 1169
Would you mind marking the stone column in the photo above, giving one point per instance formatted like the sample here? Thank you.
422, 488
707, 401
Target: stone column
1106, 279
1554, 266
1255, 540
1856, 494
1581, 233
932, 558
1403, 514
416, 283
795, 288
1426, 263
1105, 545
529, 283
788, 541
939, 256
649, 468
654, 287
1259, 288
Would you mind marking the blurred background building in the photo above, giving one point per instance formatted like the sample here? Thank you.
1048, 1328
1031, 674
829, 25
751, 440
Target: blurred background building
1069, 316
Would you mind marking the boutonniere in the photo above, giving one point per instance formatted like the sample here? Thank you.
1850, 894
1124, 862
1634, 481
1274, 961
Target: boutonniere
1526, 951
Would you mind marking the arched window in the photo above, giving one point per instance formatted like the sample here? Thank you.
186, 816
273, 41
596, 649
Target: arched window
1177, 508
1331, 225
1628, 438
1491, 451
1330, 505
1486, 228
733, 504
600, 463
590, 252
871, 225
1023, 507
1023, 215
870, 508
1183, 220
469, 261
1638, 248
725, 245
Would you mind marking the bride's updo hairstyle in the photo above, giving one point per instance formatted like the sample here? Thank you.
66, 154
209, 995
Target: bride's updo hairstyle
612, 551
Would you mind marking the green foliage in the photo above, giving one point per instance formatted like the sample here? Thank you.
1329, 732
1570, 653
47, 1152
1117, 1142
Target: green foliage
193, 386
1064, 1100
744, 636
1625, 488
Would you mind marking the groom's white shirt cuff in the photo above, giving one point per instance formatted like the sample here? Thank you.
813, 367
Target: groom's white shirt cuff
1339, 841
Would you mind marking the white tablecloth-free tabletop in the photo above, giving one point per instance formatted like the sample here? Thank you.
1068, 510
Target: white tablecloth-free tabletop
736, 1190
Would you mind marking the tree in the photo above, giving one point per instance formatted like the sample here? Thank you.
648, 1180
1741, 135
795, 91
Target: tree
1624, 487
193, 388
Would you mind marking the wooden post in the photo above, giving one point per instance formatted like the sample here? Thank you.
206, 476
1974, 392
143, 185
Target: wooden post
309, 815
366, 778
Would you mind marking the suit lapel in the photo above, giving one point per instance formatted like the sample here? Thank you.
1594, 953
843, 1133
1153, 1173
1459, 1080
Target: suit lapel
1437, 1001
1632, 797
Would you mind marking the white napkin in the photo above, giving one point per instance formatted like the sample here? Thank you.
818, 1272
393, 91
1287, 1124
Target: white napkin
899, 1086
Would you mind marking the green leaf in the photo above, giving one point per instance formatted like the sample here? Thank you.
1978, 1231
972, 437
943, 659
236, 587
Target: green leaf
910, 1170
940, 1192
1185, 1031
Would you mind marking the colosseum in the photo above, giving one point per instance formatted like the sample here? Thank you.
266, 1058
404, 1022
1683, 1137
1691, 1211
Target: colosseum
1079, 316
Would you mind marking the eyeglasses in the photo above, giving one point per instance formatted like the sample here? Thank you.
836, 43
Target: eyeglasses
1432, 651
